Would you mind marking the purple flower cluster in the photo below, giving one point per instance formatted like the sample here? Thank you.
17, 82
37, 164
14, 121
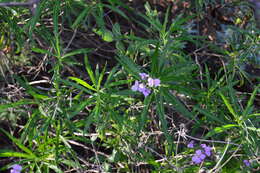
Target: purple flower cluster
200, 154
16, 169
207, 149
145, 88
198, 157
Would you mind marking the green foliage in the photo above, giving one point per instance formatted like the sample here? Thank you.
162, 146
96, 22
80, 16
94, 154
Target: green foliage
95, 121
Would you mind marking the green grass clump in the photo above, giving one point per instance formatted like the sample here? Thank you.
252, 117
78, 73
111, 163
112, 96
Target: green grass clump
111, 86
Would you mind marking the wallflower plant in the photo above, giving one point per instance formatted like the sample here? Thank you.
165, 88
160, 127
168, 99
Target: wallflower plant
146, 85
90, 121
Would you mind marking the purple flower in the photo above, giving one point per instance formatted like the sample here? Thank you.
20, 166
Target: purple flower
135, 87
246, 162
143, 76
190, 144
207, 149
198, 157
203, 145
142, 88
153, 82
16, 169
146, 92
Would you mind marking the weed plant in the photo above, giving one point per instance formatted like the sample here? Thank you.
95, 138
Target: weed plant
157, 108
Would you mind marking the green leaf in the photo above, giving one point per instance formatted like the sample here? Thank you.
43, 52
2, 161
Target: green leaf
220, 129
101, 78
107, 35
81, 106
250, 102
254, 129
82, 82
118, 83
19, 144
129, 65
81, 17
31, 25
160, 110
90, 71
116, 30
143, 117
53, 167
208, 114
3, 107
56, 12
111, 76
252, 116
15, 154
76, 52
180, 108
155, 60
117, 10
231, 110
78, 86
29, 89
42, 51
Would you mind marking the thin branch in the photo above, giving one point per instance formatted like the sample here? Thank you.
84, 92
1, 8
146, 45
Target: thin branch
32, 4
214, 141
11, 4
23, 4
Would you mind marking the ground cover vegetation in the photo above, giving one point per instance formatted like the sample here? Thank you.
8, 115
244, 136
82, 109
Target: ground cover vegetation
129, 86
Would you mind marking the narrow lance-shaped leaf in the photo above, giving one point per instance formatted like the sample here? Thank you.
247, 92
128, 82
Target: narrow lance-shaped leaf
143, 118
76, 52
250, 102
15, 154
129, 65
177, 104
18, 143
83, 83
162, 117
89, 70
231, 110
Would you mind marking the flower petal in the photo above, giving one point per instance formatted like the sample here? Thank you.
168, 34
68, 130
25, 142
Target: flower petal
196, 159
190, 144
135, 87
143, 76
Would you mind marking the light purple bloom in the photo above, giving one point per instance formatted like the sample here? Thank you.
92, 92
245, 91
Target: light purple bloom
135, 87
146, 92
207, 149
142, 88
16, 169
200, 154
143, 76
203, 145
246, 162
190, 144
198, 157
153, 82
